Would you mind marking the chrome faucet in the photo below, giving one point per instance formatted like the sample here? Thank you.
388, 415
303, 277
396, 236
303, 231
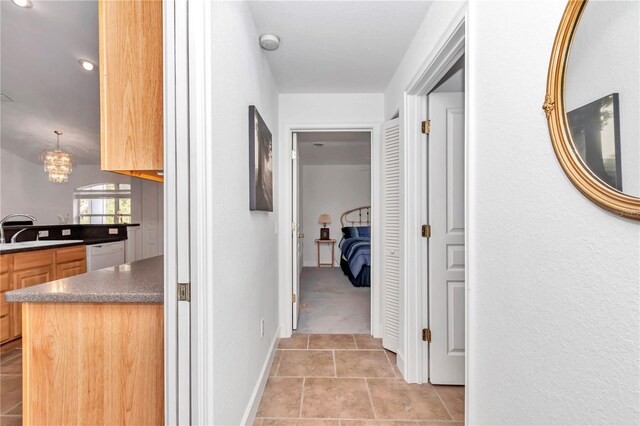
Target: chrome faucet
9, 216
13, 238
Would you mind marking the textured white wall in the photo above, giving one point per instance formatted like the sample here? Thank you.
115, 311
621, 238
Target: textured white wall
438, 18
309, 108
246, 246
554, 280
333, 190
604, 59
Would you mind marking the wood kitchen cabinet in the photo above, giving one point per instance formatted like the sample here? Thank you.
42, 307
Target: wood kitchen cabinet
131, 87
21, 270
5, 309
29, 268
71, 261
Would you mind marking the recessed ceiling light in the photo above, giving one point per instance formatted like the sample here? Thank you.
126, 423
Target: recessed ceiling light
87, 65
27, 4
269, 41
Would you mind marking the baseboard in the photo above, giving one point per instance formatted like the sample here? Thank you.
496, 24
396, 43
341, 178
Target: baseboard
256, 396
401, 366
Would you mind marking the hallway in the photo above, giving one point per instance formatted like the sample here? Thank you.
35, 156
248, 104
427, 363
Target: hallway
347, 379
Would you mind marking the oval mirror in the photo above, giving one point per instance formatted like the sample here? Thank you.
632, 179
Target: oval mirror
593, 101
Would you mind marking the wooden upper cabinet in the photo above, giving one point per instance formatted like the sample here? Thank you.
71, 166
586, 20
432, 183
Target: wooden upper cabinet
131, 87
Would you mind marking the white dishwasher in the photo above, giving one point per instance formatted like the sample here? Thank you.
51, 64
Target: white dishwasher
105, 255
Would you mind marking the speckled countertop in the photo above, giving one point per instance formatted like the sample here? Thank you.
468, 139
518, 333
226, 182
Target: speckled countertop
136, 282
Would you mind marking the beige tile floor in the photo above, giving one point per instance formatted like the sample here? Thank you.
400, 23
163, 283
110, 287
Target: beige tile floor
349, 380
11, 384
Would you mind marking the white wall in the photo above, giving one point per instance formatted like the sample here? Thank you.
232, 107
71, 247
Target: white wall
333, 190
437, 19
246, 259
553, 279
309, 108
24, 188
607, 43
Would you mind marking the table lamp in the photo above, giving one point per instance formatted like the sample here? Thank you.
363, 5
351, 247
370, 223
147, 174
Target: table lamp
324, 231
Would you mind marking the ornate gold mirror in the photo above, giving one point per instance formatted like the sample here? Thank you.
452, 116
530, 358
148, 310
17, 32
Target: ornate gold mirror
593, 101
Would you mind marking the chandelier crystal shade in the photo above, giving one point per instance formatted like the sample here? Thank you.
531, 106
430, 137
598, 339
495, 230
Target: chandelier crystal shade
58, 163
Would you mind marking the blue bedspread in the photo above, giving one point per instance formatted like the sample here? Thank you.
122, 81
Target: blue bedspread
357, 252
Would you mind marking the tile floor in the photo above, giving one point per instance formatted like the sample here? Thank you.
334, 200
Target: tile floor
349, 380
11, 384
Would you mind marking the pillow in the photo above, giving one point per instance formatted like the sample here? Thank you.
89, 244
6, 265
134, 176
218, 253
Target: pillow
356, 231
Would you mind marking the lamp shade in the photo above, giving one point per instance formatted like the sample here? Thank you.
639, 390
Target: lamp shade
324, 218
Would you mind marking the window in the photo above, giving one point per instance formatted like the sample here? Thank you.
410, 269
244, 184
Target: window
103, 203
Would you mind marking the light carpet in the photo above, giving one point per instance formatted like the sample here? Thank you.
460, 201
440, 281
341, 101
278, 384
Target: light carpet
330, 304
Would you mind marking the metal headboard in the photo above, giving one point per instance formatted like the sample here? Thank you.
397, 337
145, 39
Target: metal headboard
361, 216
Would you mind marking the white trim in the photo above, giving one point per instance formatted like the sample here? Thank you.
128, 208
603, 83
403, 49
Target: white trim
449, 49
285, 243
170, 229
254, 402
201, 220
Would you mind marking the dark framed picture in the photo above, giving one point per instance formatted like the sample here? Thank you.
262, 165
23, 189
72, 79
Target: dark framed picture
260, 163
595, 128
324, 233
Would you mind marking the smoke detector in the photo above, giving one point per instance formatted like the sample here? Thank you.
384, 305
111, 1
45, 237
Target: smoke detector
269, 41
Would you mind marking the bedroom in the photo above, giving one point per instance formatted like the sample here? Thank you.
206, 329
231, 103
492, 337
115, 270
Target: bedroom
333, 251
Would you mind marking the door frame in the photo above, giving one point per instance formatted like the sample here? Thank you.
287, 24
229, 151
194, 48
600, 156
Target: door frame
448, 50
285, 204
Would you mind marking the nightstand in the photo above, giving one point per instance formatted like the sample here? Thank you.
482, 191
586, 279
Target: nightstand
333, 248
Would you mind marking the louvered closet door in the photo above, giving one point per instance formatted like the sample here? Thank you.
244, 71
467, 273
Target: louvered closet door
391, 235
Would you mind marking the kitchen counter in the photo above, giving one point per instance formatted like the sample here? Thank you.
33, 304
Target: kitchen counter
8, 248
136, 282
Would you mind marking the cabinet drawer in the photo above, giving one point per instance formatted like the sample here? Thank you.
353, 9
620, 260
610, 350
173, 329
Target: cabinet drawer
70, 254
32, 259
69, 269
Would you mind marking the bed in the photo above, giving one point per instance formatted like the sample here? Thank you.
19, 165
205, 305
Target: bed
355, 246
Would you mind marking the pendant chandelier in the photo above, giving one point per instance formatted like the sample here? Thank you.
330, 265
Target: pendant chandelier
57, 163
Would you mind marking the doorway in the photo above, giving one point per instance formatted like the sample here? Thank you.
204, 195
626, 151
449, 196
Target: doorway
292, 264
332, 249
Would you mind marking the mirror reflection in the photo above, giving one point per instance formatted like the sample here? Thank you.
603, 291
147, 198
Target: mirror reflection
602, 95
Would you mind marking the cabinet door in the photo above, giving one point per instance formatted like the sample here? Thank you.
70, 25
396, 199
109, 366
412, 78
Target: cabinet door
131, 85
69, 269
5, 308
27, 278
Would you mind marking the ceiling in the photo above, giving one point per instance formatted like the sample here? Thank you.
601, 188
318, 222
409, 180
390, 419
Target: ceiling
39, 70
339, 148
326, 47
337, 46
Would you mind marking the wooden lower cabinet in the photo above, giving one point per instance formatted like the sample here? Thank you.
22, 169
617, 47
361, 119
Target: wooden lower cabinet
5, 309
21, 270
93, 364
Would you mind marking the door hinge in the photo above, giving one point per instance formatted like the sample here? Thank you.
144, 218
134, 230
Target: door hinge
294, 155
294, 297
426, 127
426, 231
184, 292
426, 335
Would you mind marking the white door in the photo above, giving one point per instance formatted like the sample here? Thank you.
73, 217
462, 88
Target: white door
390, 279
446, 245
295, 230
